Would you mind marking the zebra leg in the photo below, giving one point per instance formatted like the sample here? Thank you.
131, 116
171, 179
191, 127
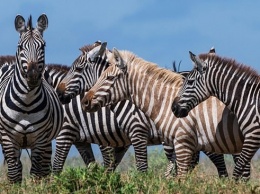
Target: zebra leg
140, 146
12, 157
184, 156
112, 156
85, 151
46, 164
171, 156
108, 154
61, 153
41, 159
248, 151
219, 161
247, 170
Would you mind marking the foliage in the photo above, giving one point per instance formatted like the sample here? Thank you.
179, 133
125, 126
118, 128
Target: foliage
95, 179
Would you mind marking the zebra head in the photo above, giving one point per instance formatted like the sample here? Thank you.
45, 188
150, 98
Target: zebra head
84, 71
110, 88
30, 54
193, 90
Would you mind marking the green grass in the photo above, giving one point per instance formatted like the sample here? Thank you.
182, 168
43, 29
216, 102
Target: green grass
75, 178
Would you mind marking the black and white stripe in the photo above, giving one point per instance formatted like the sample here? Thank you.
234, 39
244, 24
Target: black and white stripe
153, 89
31, 114
112, 130
83, 74
234, 84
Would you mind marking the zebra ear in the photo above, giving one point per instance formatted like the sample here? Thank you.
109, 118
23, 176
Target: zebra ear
199, 64
120, 63
94, 53
42, 23
102, 49
19, 23
212, 51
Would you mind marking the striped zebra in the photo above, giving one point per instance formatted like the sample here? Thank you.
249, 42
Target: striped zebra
153, 89
31, 114
237, 86
84, 149
4, 61
80, 78
119, 129
75, 125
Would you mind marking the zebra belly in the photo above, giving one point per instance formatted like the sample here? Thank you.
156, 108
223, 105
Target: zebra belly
95, 129
105, 138
218, 143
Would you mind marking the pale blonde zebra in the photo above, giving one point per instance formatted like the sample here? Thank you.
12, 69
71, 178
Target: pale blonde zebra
209, 127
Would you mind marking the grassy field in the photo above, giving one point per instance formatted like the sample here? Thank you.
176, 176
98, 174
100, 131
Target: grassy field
75, 178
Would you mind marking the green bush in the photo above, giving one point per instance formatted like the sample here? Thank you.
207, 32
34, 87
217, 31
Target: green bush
94, 179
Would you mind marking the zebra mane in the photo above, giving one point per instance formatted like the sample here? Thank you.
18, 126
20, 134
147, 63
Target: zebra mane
239, 68
89, 47
58, 68
151, 69
7, 59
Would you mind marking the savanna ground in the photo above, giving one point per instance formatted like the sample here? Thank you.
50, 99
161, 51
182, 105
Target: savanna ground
76, 178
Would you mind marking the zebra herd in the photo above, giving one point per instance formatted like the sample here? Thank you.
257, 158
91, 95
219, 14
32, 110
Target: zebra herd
116, 99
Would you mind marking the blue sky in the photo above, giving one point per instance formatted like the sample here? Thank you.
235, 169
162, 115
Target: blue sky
157, 31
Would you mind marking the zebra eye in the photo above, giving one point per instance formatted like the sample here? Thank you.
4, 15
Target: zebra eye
190, 81
25, 68
110, 77
78, 69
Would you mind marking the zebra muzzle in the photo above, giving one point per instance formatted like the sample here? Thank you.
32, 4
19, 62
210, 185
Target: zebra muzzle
177, 110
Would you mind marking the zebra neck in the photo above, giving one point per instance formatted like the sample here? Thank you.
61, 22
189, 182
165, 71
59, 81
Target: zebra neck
237, 92
153, 94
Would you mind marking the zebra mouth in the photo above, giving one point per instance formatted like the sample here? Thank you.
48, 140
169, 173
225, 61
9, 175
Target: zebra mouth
33, 83
64, 99
90, 108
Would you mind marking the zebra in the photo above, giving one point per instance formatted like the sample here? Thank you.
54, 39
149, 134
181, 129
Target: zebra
152, 89
79, 77
84, 148
81, 127
57, 72
31, 114
234, 84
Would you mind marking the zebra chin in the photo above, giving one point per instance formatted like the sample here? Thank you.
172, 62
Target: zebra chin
33, 84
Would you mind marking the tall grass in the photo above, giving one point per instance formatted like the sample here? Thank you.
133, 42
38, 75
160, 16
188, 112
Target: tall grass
76, 178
